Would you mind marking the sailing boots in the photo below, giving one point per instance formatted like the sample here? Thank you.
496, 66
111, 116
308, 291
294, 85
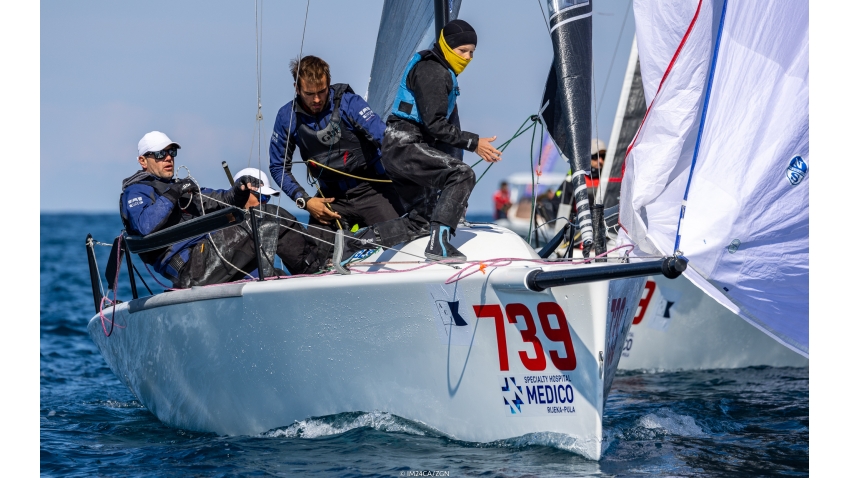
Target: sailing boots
439, 248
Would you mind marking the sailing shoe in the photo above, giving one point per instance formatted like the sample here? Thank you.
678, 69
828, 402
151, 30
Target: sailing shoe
439, 248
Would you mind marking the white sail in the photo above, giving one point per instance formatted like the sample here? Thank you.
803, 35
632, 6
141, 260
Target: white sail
726, 142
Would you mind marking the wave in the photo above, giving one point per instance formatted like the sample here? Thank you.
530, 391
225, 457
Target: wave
330, 425
667, 422
317, 427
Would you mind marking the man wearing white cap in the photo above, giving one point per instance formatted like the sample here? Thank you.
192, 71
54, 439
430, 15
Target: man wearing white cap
153, 200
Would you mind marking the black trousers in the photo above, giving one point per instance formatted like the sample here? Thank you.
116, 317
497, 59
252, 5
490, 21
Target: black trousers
297, 251
420, 170
366, 204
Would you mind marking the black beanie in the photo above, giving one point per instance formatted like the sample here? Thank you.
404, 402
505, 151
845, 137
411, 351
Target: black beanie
458, 32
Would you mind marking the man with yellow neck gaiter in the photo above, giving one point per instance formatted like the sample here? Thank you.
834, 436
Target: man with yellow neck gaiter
423, 145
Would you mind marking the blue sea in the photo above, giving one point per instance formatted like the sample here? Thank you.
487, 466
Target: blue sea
743, 422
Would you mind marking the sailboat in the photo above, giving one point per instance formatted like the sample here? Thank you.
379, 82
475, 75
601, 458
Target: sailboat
505, 345
717, 172
678, 326
528, 191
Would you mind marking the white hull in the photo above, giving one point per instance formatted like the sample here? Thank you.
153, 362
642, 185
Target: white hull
696, 332
261, 355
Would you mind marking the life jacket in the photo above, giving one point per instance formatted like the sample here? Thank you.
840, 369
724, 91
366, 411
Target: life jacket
177, 215
404, 105
335, 145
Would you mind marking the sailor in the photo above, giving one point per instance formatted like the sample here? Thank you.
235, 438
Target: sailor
339, 136
597, 162
153, 200
502, 201
423, 144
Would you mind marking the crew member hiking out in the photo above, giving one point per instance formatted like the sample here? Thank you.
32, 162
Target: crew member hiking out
423, 144
340, 137
152, 200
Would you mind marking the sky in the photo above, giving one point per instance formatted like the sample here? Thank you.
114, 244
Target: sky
112, 71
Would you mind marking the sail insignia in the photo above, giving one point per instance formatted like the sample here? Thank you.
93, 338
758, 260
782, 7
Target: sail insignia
797, 170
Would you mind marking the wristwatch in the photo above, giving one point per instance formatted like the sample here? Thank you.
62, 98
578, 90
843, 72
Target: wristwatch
302, 202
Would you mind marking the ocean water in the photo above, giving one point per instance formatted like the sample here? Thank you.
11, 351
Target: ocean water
744, 422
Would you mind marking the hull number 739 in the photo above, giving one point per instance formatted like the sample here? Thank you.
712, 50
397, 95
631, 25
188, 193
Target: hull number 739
535, 361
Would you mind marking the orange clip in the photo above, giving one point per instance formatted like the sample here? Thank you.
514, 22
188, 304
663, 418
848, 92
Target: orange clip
481, 267
539, 171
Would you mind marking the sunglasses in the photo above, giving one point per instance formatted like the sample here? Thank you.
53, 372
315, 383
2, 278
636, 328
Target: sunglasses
597, 156
160, 155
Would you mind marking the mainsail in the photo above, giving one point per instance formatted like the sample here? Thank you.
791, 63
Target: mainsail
627, 120
566, 105
407, 26
719, 167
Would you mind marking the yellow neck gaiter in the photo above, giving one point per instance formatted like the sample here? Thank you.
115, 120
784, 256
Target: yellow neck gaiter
456, 62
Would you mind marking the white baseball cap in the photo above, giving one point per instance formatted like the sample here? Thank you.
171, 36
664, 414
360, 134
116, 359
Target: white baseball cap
256, 173
154, 141
596, 145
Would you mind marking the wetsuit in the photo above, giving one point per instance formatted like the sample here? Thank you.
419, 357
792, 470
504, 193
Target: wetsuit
149, 204
346, 136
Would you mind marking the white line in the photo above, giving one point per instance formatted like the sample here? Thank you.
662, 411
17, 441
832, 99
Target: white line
567, 10
568, 20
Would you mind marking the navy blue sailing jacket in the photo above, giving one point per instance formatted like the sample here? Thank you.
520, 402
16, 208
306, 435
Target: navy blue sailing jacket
145, 211
354, 110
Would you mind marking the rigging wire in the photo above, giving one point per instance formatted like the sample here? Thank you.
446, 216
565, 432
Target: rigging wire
616, 48
545, 19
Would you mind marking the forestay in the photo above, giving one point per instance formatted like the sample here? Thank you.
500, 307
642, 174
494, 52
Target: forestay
728, 93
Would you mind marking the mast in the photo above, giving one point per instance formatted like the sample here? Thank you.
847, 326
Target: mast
567, 100
441, 16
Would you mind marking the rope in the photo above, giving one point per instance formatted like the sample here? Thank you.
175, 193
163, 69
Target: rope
310, 225
533, 186
154, 277
504, 146
311, 161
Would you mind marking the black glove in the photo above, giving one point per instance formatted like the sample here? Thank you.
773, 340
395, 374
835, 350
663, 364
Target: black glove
240, 192
179, 188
